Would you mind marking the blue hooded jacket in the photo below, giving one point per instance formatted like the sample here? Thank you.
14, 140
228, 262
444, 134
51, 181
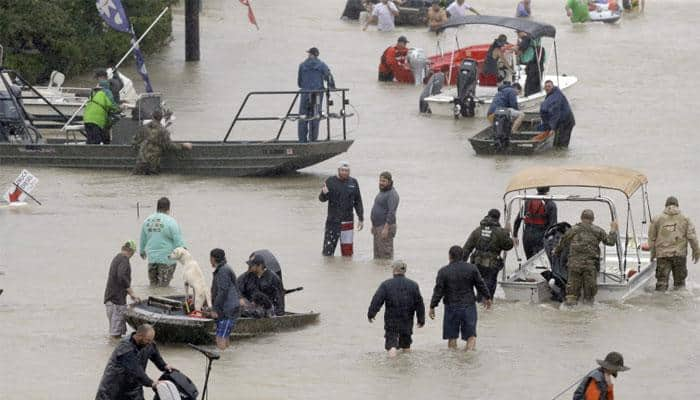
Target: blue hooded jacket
312, 73
555, 110
507, 97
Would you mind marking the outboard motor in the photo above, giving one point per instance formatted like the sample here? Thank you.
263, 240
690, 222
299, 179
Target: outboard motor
418, 62
433, 87
501, 129
466, 88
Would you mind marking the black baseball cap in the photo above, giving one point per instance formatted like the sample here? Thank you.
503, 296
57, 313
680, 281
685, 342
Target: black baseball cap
402, 39
313, 51
256, 260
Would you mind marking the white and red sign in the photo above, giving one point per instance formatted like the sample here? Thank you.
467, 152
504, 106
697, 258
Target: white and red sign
23, 185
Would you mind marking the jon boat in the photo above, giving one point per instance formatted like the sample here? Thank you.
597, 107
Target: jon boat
22, 143
445, 102
602, 13
525, 142
625, 269
414, 13
168, 316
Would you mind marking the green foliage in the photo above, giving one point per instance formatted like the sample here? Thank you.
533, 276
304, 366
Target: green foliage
70, 36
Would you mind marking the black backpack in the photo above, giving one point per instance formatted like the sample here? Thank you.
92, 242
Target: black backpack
187, 389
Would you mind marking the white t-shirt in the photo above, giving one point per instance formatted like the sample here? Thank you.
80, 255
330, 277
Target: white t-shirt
385, 19
455, 10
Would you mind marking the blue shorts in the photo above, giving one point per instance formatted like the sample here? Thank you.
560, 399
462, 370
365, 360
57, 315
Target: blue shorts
459, 319
224, 327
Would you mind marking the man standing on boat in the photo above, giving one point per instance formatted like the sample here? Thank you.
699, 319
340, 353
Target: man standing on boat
160, 235
598, 384
311, 76
98, 108
118, 286
125, 374
383, 217
583, 240
402, 299
152, 141
224, 295
393, 57
556, 115
455, 286
485, 245
669, 236
538, 216
342, 192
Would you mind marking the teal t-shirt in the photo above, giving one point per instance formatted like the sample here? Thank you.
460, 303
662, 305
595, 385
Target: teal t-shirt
160, 235
579, 10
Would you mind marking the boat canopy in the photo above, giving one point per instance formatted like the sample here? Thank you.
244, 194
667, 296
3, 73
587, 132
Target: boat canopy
535, 29
625, 180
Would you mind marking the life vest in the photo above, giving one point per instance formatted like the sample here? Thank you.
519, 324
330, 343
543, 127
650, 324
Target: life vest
599, 378
398, 54
535, 214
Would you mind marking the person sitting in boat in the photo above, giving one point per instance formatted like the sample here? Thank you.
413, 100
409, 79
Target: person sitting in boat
269, 285
393, 59
270, 261
125, 373
152, 141
498, 62
556, 115
98, 109
436, 15
507, 98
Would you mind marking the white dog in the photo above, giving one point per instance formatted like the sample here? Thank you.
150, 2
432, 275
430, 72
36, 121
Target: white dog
193, 277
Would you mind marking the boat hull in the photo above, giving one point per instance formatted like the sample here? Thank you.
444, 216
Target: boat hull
205, 158
526, 142
177, 327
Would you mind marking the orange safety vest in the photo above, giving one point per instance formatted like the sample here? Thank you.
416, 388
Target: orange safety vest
391, 57
535, 213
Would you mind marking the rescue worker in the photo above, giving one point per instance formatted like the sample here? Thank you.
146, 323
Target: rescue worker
311, 76
402, 299
507, 98
583, 241
383, 217
224, 295
98, 109
125, 373
342, 192
556, 115
160, 235
392, 58
669, 236
152, 141
597, 384
484, 246
538, 215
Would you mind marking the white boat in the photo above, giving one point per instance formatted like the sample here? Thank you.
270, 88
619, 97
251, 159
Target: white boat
450, 102
626, 267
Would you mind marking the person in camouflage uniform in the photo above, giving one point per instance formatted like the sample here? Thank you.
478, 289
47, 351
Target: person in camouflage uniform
152, 141
584, 241
485, 244
669, 236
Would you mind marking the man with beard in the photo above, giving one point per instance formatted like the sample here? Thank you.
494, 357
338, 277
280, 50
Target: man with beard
342, 192
384, 217
556, 115
125, 374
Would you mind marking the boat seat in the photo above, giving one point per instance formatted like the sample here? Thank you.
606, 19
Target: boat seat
56, 80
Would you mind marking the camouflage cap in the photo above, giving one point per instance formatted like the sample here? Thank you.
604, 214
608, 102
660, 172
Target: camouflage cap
671, 201
587, 215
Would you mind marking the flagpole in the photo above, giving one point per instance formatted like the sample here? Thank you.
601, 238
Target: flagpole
133, 46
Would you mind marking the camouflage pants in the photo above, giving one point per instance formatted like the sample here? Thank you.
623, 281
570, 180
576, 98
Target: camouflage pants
582, 277
160, 274
384, 248
665, 266
147, 168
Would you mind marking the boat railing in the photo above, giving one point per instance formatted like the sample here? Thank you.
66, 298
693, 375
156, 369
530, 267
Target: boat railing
292, 116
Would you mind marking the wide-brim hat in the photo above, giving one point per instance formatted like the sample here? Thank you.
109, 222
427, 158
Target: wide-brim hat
613, 362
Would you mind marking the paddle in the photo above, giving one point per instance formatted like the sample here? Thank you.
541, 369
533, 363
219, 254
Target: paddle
288, 291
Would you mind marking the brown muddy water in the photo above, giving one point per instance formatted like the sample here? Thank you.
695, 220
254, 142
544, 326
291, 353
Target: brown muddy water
635, 106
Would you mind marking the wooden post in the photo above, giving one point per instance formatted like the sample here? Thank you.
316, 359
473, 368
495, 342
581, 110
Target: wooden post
192, 30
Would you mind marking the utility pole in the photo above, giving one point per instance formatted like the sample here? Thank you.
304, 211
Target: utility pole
192, 30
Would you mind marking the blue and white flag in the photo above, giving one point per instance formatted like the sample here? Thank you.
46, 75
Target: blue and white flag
113, 13
140, 63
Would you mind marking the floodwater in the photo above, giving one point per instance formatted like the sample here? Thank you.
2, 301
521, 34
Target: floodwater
635, 107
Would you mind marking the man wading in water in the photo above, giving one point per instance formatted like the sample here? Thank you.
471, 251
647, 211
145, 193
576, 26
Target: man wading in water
342, 193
